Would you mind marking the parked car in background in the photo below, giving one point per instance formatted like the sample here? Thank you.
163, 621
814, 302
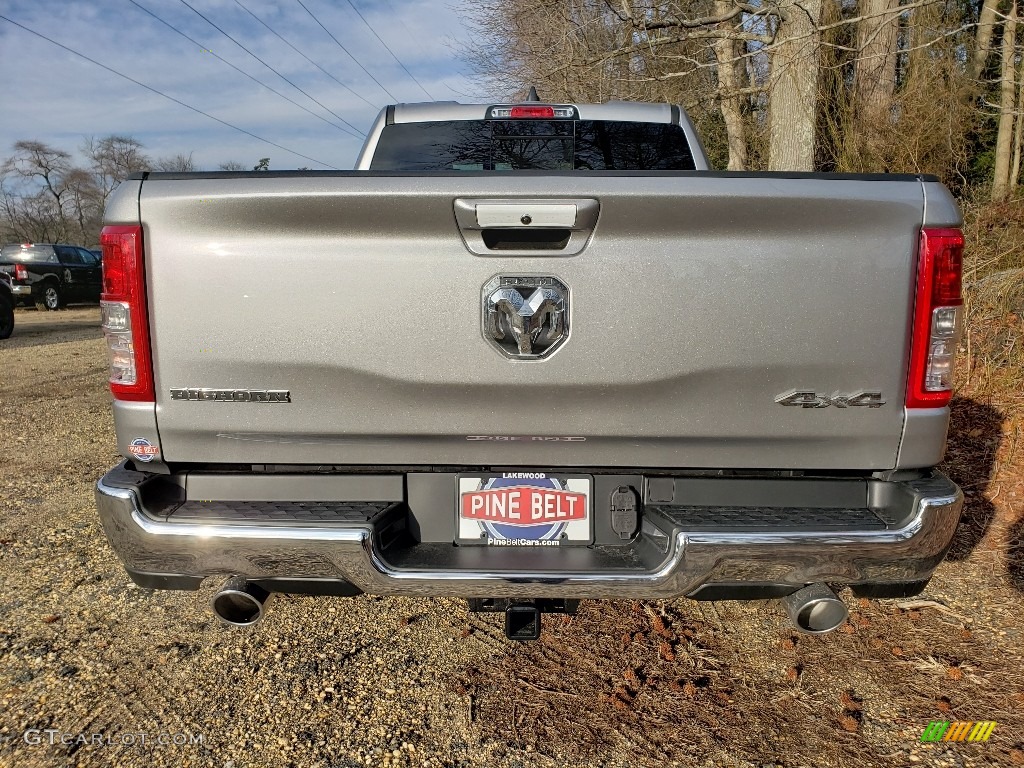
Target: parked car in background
6, 306
51, 275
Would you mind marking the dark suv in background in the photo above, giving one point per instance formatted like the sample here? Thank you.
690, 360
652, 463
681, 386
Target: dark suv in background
52, 274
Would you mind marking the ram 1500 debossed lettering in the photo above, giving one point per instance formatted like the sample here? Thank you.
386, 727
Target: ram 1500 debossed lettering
527, 354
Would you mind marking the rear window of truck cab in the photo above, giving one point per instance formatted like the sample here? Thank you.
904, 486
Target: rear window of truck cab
38, 253
551, 145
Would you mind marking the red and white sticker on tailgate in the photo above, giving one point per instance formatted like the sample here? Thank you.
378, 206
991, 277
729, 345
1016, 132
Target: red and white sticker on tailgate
524, 509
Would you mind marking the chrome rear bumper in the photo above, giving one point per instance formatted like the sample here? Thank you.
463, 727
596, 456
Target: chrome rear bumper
675, 562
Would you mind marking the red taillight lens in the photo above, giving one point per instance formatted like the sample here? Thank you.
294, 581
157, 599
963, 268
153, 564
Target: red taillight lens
125, 314
20, 273
536, 112
938, 314
118, 257
945, 247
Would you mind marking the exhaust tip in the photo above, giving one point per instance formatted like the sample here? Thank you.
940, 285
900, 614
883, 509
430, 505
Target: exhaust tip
815, 609
239, 603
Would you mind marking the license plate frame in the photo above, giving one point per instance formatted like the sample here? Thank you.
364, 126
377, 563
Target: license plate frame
524, 509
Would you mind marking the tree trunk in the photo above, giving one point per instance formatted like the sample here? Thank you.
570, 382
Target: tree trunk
983, 40
875, 78
727, 54
794, 87
1007, 107
1018, 129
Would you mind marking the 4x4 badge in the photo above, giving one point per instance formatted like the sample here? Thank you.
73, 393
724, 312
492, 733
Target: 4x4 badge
809, 399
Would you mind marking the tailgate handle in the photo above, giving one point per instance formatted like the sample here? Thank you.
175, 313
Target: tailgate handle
525, 215
526, 227
525, 239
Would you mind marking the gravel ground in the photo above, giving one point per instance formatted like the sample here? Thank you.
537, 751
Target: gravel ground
403, 682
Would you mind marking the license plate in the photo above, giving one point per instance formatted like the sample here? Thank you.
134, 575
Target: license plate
524, 509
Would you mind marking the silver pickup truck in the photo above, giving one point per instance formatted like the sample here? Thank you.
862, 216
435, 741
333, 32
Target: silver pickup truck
527, 354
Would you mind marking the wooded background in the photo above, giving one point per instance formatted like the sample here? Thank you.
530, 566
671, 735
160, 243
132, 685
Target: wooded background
931, 86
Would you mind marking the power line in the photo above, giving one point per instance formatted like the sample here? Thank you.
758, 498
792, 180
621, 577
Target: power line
387, 47
347, 88
398, 17
346, 50
357, 134
261, 61
171, 98
474, 96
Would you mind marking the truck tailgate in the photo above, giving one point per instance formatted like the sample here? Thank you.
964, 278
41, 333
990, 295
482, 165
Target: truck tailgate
698, 301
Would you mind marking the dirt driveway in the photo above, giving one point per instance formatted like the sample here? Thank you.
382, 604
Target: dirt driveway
86, 656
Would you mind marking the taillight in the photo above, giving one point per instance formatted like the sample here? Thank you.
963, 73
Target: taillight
541, 112
938, 316
532, 112
20, 273
124, 314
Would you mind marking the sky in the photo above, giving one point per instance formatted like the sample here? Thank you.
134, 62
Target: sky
56, 97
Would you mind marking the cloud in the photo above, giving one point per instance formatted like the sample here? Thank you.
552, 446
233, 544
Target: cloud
56, 97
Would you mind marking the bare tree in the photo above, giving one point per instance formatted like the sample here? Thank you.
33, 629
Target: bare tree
644, 50
875, 79
29, 218
36, 191
112, 159
983, 41
179, 163
731, 73
85, 208
47, 198
751, 73
1018, 129
794, 87
1007, 106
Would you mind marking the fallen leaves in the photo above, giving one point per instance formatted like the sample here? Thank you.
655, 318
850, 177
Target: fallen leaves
849, 721
851, 701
